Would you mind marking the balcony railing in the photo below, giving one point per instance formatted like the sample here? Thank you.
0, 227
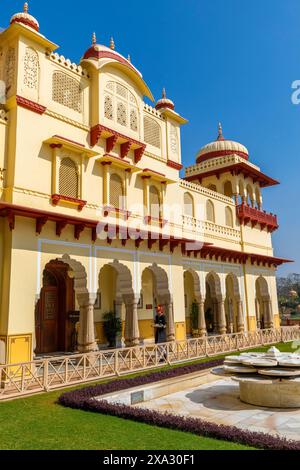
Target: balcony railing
17, 380
248, 214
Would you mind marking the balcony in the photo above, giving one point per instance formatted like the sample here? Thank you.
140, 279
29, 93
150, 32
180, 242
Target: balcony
248, 214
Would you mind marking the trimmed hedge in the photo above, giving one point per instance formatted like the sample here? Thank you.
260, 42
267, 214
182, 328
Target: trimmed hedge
84, 399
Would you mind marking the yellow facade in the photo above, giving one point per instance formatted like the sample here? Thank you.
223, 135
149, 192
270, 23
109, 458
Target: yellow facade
76, 138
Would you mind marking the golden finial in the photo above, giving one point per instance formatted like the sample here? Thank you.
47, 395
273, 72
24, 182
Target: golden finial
112, 43
164, 94
94, 38
129, 58
25, 8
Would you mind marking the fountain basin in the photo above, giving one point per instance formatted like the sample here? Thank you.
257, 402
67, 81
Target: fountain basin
278, 393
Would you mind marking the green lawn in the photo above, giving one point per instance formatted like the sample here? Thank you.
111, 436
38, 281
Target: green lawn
37, 422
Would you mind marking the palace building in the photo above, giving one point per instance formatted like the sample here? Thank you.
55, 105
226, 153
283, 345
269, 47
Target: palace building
95, 218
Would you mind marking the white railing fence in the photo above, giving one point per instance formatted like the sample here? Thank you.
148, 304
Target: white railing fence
22, 379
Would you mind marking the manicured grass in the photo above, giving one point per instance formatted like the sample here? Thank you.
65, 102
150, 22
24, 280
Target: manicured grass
38, 422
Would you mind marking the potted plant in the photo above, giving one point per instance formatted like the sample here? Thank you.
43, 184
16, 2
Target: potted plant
112, 326
194, 319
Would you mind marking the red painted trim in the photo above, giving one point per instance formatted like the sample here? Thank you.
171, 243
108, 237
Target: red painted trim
175, 165
164, 105
221, 153
139, 152
108, 209
148, 219
68, 140
121, 160
91, 53
236, 169
10, 211
125, 148
31, 105
114, 136
56, 198
145, 170
248, 214
27, 22
110, 143
56, 146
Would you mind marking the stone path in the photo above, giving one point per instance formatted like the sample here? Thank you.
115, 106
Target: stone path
218, 402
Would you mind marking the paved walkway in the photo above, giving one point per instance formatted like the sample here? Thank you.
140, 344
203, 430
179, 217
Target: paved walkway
218, 402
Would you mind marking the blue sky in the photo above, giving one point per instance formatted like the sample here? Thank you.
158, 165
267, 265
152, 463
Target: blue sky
220, 60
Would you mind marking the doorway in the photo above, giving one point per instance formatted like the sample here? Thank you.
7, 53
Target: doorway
55, 326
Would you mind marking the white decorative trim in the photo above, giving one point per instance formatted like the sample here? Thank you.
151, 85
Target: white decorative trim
205, 192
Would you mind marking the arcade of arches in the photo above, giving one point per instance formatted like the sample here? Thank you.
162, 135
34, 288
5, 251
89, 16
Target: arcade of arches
69, 318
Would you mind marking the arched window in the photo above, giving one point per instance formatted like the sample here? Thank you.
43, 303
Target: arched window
68, 178
116, 192
152, 132
108, 108
210, 211
154, 202
228, 217
31, 69
188, 205
66, 91
121, 114
121, 105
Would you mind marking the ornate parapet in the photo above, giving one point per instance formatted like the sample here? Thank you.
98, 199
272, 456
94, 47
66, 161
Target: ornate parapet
248, 214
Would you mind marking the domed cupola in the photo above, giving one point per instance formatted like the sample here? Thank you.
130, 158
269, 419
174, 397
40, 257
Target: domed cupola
164, 102
26, 19
220, 148
99, 51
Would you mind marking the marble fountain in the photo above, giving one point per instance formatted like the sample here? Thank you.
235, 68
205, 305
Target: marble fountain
270, 379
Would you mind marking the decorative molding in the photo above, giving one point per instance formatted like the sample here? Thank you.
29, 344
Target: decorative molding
56, 198
30, 105
230, 163
149, 109
205, 192
112, 137
175, 165
206, 226
67, 64
62, 118
248, 214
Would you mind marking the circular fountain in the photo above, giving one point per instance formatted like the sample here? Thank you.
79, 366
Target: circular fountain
270, 379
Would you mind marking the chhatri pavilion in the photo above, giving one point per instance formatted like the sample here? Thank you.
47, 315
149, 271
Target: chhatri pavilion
94, 216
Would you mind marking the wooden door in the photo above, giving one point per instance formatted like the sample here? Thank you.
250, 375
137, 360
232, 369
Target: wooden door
49, 319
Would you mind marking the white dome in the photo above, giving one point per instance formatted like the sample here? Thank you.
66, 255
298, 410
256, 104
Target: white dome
221, 147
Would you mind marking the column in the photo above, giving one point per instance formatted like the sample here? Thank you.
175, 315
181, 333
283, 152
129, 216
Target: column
258, 314
201, 319
105, 166
230, 328
86, 334
268, 314
170, 321
119, 339
132, 334
221, 318
215, 317
240, 317
146, 195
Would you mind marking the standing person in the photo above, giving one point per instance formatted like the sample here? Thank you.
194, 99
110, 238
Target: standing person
160, 326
